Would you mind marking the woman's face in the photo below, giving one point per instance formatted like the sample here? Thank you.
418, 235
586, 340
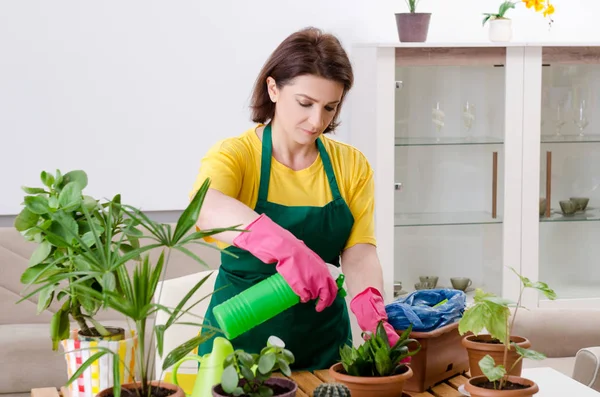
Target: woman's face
305, 106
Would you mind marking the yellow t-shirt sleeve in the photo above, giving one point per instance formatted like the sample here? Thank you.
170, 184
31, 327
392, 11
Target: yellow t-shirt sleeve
361, 200
224, 165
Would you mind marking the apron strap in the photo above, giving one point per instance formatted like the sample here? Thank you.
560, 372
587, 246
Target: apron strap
265, 166
335, 191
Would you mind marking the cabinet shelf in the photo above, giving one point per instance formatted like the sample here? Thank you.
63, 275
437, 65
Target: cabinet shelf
590, 214
445, 141
570, 139
444, 218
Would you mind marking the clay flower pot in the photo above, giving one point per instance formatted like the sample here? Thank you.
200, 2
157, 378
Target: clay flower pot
283, 387
383, 386
176, 391
477, 350
413, 26
473, 386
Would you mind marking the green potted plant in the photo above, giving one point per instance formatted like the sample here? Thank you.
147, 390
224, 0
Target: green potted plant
375, 368
412, 26
61, 196
251, 375
496, 358
501, 26
129, 281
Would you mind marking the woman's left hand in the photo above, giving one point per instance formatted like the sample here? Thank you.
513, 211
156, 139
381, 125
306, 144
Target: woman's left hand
369, 309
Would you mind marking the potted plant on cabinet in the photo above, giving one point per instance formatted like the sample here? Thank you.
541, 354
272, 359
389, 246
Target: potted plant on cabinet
129, 282
412, 26
501, 27
375, 367
496, 358
252, 374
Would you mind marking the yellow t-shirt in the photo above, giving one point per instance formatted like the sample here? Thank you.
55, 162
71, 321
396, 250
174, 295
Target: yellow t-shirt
233, 165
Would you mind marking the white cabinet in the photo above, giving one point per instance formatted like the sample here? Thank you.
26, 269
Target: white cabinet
456, 138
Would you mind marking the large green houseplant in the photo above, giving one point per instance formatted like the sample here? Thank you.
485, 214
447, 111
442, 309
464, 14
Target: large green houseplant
376, 367
496, 357
127, 282
53, 213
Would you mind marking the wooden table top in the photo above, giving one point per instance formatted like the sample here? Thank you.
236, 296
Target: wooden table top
308, 381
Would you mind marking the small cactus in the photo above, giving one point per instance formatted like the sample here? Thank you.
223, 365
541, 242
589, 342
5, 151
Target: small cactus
331, 390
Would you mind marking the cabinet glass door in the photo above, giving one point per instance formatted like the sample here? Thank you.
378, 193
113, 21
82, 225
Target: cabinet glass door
569, 230
449, 168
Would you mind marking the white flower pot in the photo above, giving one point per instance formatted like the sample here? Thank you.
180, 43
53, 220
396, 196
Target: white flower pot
500, 30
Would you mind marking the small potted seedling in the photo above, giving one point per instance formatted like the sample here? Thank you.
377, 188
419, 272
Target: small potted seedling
252, 374
496, 358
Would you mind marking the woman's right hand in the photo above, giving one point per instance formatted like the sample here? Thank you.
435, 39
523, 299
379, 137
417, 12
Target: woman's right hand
304, 270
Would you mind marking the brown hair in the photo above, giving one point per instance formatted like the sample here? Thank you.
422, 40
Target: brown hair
306, 52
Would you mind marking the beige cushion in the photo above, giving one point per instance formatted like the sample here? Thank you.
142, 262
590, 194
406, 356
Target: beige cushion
587, 367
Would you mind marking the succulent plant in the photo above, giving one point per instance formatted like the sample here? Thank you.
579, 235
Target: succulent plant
331, 390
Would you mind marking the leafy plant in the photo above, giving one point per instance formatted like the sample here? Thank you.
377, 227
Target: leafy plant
131, 293
492, 313
543, 6
375, 357
54, 217
412, 5
246, 374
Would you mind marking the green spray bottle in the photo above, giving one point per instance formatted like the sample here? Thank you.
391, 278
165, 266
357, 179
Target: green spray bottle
260, 303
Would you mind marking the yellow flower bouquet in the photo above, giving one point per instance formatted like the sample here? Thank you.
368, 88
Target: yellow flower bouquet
541, 6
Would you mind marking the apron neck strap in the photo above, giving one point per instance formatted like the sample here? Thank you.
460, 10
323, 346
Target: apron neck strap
265, 166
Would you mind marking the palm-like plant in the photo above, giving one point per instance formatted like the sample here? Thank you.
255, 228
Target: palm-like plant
132, 292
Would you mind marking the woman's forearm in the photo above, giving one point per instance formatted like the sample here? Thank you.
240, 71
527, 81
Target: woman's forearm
221, 211
361, 267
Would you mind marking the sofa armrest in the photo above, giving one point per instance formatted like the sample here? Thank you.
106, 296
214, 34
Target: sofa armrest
587, 366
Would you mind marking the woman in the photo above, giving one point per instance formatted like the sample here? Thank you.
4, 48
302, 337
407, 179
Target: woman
304, 201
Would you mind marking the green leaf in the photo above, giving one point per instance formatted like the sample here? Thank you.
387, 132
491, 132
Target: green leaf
182, 350
58, 180
266, 363
190, 215
59, 326
247, 372
109, 283
77, 176
89, 203
545, 289
45, 298
40, 254
229, 379
265, 391
528, 353
26, 220
53, 202
63, 226
69, 198
489, 368
47, 179
32, 190
37, 204
159, 330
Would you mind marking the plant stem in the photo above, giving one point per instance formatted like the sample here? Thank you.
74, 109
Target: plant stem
141, 328
508, 334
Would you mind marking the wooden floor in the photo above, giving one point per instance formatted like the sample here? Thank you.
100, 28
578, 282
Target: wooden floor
307, 382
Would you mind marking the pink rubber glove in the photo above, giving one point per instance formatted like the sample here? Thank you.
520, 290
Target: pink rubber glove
304, 270
369, 309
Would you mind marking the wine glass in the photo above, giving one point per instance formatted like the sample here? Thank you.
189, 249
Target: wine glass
559, 117
468, 116
581, 120
437, 117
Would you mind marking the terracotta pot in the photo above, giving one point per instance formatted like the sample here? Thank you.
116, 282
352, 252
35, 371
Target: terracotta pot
177, 391
286, 383
478, 350
413, 26
385, 386
472, 387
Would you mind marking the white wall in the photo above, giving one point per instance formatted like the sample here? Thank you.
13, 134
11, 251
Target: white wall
134, 92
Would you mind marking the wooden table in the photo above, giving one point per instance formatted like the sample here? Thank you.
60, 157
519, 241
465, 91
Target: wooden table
307, 382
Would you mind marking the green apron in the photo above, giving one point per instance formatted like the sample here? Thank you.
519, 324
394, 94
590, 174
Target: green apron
314, 338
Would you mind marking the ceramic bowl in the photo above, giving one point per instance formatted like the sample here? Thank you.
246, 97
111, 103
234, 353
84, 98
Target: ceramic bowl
582, 202
568, 207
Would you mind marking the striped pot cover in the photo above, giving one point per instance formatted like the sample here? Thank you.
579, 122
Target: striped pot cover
99, 375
